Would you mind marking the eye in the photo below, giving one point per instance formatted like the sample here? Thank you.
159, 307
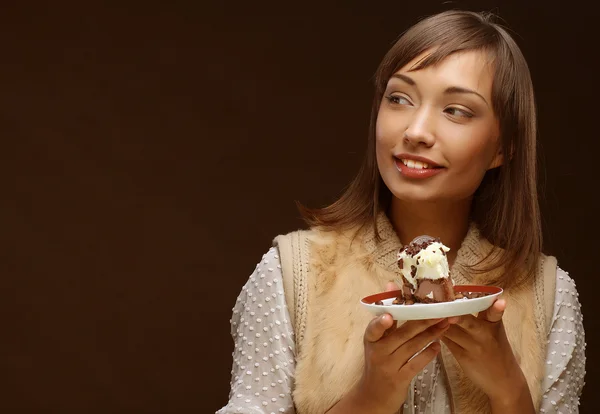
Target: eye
457, 112
398, 100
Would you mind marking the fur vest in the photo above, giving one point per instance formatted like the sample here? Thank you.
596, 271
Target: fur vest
327, 273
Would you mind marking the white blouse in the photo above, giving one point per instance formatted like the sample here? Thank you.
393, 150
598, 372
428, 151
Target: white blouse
264, 355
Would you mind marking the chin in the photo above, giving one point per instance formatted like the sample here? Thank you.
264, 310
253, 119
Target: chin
423, 195
415, 194
417, 198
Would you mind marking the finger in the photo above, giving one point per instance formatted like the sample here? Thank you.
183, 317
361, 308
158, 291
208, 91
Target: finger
457, 350
390, 286
416, 365
405, 333
459, 336
469, 322
404, 353
494, 313
391, 329
453, 320
377, 327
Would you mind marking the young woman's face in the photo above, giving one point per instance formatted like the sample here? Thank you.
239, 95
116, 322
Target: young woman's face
437, 133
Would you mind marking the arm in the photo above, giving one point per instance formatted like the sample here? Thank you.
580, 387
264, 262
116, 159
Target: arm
263, 357
565, 365
481, 347
393, 357
350, 404
520, 401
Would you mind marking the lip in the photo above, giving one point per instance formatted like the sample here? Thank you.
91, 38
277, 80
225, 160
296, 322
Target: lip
416, 158
416, 173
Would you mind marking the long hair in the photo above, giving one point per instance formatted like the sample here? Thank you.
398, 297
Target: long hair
505, 205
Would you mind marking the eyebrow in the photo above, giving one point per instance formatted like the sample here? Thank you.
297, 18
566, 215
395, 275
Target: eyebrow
449, 91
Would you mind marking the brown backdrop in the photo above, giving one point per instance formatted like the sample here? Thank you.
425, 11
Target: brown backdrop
151, 153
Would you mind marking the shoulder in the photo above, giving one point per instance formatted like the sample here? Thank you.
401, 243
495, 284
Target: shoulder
324, 236
292, 246
566, 294
313, 235
264, 280
298, 243
291, 238
561, 278
316, 245
566, 359
566, 287
263, 290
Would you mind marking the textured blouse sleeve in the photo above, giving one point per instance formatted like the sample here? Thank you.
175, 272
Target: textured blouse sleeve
263, 356
565, 362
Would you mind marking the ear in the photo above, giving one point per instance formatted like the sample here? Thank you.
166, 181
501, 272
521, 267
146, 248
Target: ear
498, 160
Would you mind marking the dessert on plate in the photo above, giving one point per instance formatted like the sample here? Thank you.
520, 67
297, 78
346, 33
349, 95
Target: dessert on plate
425, 272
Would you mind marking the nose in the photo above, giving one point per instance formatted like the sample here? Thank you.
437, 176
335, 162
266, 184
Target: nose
420, 130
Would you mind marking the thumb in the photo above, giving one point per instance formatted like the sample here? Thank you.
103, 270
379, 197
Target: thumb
391, 285
378, 327
495, 312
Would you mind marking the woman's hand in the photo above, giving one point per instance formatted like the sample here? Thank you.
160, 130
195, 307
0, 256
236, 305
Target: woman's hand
389, 368
482, 349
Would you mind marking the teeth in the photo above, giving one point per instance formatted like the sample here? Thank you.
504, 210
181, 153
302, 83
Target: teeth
415, 164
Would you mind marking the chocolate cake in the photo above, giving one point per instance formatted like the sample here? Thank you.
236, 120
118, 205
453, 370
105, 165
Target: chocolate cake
425, 272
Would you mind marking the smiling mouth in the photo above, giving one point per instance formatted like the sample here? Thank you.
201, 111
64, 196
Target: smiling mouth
417, 170
418, 165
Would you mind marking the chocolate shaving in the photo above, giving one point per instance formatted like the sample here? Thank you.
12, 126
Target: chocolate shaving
398, 301
413, 248
409, 292
470, 295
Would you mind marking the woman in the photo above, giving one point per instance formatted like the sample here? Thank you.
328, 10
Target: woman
451, 154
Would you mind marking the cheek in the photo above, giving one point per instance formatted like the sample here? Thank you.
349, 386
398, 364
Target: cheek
472, 159
383, 147
381, 137
380, 132
386, 139
474, 149
386, 131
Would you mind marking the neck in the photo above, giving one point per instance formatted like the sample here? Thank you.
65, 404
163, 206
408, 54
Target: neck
447, 221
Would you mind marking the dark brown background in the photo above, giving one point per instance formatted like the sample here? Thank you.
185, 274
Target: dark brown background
151, 152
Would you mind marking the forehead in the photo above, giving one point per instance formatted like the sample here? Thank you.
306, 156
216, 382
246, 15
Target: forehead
469, 69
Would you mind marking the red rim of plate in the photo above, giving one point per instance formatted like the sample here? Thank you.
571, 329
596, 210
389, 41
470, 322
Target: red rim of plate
492, 290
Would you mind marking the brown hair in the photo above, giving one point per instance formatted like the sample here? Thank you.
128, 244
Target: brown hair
505, 206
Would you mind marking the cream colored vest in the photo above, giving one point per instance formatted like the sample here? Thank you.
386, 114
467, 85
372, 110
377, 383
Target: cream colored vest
325, 276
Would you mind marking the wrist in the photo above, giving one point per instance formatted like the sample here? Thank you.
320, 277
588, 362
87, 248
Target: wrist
516, 399
360, 401
364, 401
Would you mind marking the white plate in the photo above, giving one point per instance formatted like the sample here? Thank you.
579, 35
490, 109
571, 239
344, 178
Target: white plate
432, 310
